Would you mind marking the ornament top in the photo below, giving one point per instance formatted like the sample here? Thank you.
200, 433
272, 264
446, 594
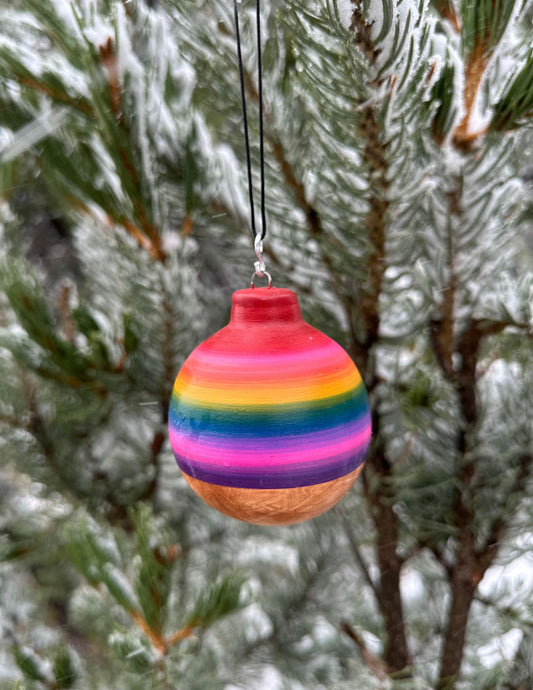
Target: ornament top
265, 305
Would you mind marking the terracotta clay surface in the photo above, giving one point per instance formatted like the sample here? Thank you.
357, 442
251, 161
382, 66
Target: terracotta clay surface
274, 506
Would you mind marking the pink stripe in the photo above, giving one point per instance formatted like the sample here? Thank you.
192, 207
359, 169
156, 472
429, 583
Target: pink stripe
256, 360
236, 457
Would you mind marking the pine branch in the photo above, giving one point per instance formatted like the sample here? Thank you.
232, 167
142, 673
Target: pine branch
397, 656
363, 32
505, 611
178, 636
306, 582
357, 553
469, 565
161, 643
115, 219
145, 597
447, 11
375, 664
109, 63
375, 156
56, 95
461, 573
474, 72
94, 109
36, 426
484, 24
220, 600
365, 314
463, 584
314, 225
442, 93
381, 503
468, 347
298, 190
486, 555
442, 329
464, 574
515, 107
154, 636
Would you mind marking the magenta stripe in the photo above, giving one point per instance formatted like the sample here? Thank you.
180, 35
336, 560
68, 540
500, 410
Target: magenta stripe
259, 359
315, 447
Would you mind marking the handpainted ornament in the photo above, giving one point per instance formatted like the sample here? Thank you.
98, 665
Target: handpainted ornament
269, 419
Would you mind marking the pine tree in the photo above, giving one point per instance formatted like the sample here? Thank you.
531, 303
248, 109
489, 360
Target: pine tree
398, 140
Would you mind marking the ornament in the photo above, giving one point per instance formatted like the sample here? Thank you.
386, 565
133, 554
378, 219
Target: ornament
269, 419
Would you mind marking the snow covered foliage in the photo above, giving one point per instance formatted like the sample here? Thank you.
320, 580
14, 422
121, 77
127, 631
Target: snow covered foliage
398, 168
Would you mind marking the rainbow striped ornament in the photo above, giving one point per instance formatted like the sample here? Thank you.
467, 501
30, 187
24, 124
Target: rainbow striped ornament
269, 418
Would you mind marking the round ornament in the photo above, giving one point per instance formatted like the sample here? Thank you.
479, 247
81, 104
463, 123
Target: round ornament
269, 419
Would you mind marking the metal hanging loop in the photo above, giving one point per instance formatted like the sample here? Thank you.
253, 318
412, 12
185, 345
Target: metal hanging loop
259, 265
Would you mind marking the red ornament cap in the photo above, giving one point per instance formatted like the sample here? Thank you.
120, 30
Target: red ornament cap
262, 306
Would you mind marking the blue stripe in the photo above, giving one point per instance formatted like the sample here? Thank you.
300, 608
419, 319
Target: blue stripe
270, 420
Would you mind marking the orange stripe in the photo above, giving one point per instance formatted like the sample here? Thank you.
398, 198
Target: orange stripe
264, 392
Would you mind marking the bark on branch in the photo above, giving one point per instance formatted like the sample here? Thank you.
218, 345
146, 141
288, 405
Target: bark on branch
375, 664
381, 503
470, 563
366, 312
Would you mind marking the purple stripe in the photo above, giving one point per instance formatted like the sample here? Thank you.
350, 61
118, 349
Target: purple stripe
278, 477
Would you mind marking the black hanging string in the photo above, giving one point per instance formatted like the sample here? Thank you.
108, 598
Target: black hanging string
245, 119
261, 136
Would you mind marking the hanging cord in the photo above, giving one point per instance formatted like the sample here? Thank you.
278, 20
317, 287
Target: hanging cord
261, 133
258, 238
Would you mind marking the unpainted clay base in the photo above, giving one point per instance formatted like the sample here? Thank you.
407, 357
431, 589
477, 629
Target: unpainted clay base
274, 506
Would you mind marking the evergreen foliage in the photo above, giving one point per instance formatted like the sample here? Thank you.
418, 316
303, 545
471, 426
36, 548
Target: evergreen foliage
399, 151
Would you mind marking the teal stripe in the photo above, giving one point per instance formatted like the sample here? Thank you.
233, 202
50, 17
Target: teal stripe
272, 420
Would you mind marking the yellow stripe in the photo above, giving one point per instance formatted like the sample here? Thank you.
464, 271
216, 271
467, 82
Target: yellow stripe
264, 394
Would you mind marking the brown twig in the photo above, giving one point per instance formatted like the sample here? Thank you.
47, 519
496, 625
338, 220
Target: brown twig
109, 63
56, 95
65, 313
447, 11
357, 553
154, 638
160, 642
378, 494
366, 313
488, 553
375, 664
474, 71
182, 634
470, 562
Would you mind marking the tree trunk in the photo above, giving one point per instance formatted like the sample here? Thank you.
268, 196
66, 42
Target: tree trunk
463, 586
396, 654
